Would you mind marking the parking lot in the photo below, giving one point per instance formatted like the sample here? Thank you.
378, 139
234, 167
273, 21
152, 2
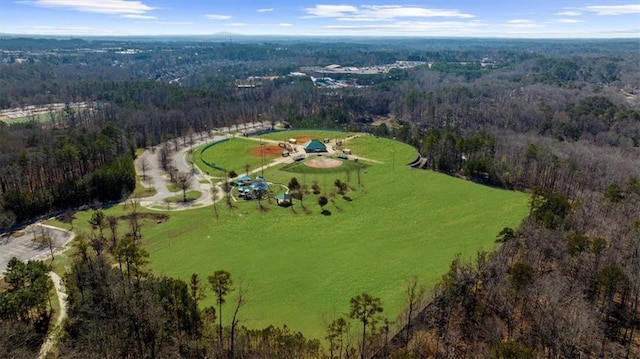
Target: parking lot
24, 248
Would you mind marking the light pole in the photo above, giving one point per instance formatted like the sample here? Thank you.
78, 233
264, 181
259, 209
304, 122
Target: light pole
393, 156
262, 158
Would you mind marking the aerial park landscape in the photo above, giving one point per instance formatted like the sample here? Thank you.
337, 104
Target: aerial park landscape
188, 179
301, 263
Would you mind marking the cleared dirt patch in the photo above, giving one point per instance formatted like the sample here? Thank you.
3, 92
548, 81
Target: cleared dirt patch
303, 139
158, 217
323, 162
268, 151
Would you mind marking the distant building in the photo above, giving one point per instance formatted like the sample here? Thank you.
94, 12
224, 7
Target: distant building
332, 67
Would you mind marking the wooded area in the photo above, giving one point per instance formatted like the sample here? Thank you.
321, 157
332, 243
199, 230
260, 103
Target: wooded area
560, 119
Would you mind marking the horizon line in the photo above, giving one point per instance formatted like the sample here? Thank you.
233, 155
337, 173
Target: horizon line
632, 36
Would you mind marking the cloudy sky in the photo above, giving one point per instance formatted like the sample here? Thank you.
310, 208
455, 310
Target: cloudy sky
469, 18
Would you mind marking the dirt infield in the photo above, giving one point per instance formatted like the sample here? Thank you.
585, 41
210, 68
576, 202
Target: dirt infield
302, 139
323, 162
268, 151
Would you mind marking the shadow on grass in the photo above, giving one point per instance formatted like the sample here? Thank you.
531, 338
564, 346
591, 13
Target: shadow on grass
326, 212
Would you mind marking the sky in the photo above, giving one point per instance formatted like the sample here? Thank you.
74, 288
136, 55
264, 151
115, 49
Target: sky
465, 18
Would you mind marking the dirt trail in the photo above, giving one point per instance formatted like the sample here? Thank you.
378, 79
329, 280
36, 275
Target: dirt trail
54, 333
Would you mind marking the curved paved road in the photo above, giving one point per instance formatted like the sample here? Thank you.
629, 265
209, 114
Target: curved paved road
204, 183
157, 177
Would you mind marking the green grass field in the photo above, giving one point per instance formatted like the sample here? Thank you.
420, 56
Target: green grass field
300, 167
39, 117
231, 155
301, 269
191, 196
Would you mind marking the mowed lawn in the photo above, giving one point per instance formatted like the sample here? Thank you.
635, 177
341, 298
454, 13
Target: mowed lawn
301, 269
232, 155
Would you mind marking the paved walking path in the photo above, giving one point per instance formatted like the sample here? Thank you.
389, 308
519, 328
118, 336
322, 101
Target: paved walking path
201, 182
155, 178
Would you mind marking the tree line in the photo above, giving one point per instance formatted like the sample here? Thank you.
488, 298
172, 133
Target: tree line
460, 125
117, 307
563, 126
563, 285
46, 169
25, 308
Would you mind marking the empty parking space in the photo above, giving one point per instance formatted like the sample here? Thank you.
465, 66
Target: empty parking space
24, 248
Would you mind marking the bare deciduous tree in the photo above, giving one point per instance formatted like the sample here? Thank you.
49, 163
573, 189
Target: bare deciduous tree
143, 165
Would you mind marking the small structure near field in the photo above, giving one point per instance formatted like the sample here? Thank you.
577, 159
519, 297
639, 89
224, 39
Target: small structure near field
283, 200
259, 186
243, 181
292, 141
285, 153
246, 193
314, 146
249, 189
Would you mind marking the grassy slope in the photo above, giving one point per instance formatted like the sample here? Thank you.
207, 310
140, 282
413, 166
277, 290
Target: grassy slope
302, 268
300, 167
231, 155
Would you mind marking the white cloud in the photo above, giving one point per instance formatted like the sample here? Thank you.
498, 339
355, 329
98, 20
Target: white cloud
43, 27
332, 10
140, 17
238, 24
569, 13
56, 30
173, 22
450, 27
395, 11
569, 21
285, 24
217, 17
114, 7
521, 24
381, 12
632, 32
614, 9
266, 10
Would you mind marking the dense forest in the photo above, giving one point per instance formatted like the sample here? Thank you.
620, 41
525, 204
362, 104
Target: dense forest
558, 119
